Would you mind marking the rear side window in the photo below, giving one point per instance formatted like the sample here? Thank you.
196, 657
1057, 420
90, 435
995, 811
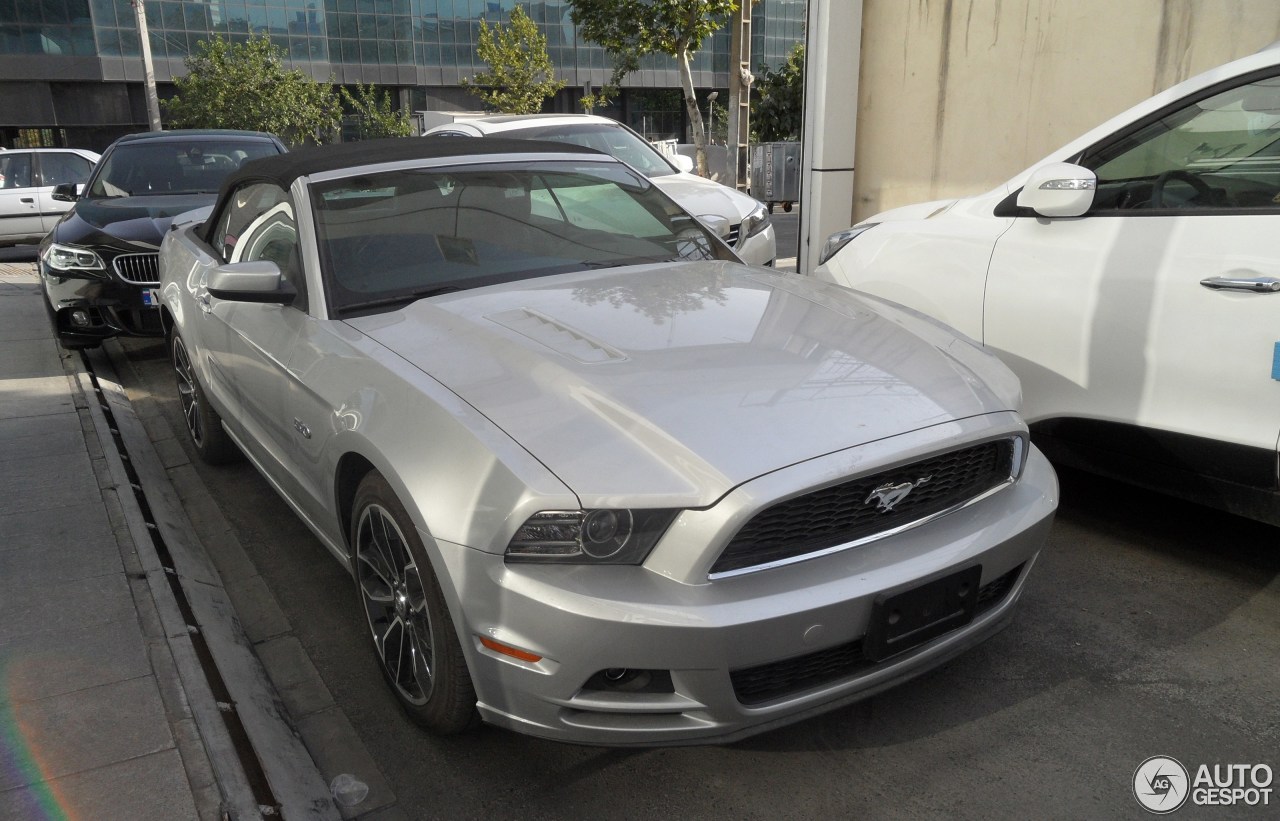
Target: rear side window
15, 170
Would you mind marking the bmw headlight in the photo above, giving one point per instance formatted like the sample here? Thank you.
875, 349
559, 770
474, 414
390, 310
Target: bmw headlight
755, 222
589, 536
64, 258
840, 239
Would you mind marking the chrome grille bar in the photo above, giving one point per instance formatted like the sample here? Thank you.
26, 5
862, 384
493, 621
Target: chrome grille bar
138, 269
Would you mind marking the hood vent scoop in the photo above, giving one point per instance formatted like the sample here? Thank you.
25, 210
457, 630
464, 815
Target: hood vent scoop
557, 336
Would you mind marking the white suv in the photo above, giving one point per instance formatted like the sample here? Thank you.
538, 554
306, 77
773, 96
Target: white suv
27, 177
749, 233
1131, 279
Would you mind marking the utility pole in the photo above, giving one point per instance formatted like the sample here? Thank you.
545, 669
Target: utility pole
148, 71
739, 109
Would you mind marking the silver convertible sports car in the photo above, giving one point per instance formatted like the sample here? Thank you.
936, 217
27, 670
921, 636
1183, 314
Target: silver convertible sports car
595, 479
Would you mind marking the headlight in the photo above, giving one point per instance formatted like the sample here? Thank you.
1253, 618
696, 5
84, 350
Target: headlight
70, 258
589, 536
755, 222
840, 239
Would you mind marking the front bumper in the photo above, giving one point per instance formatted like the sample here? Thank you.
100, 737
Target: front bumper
112, 307
586, 620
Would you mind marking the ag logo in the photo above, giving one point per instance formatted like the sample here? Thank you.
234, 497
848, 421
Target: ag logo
889, 494
1161, 784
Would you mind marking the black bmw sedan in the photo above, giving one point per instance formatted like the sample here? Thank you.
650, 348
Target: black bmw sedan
99, 263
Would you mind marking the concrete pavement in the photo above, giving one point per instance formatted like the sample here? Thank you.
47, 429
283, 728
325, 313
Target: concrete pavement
112, 704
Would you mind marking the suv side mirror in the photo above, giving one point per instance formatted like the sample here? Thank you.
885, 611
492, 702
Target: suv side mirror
682, 163
1059, 189
67, 191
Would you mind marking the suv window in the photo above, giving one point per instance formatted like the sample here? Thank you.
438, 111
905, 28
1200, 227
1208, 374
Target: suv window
1222, 152
15, 170
58, 168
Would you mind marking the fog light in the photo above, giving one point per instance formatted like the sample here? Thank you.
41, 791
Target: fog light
80, 319
627, 680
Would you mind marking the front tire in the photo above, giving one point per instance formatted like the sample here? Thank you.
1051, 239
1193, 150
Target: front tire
413, 634
204, 425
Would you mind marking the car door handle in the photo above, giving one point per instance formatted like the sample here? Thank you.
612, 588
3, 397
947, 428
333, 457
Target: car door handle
1257, 284
27, 200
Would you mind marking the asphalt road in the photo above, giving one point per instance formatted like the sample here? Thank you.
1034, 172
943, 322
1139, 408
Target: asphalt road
1148, 627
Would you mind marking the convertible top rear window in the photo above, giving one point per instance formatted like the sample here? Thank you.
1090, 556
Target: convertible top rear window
390, 238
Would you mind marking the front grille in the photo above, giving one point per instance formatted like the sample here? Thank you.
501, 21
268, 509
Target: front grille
731, 239
848, 512
756, 685
139, 269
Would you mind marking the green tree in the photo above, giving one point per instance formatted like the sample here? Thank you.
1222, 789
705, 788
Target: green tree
778, 112
375, 116
631, 29
245, 85
520, 74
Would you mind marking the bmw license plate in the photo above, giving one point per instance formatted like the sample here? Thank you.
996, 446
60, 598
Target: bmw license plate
908, 619
151, 297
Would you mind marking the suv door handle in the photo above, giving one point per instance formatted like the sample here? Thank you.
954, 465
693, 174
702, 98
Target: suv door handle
27, 200
1256, 284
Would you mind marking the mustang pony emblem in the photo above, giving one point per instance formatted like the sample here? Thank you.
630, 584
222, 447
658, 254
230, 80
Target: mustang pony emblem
890, 494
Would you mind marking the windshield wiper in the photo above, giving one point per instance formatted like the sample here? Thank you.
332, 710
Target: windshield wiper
399, 299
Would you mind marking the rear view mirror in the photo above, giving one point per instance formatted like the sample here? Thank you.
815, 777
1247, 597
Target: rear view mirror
682, 163
1059, 189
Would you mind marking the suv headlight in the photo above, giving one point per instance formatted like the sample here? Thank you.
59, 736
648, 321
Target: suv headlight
70, 258
840, 239
755, 222
589, 536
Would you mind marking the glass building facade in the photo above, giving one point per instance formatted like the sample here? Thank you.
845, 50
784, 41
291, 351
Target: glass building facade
422, 49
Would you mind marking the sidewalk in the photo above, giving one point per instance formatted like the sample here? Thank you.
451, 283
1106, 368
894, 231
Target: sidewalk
94, 719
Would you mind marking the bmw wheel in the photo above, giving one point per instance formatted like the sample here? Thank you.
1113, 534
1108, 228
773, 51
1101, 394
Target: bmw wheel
204, 425
409, 622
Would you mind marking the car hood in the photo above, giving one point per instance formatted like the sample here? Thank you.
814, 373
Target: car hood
668, 385
701, 196
131, 221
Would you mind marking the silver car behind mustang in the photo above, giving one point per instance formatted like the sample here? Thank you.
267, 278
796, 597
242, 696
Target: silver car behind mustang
595, 479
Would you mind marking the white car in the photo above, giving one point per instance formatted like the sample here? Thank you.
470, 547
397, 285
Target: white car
1132, 281
596, 479
749, 230
28, 176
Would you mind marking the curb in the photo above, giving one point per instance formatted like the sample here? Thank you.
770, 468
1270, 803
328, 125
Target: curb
258, 759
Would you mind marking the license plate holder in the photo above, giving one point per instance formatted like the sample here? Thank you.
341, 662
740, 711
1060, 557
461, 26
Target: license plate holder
151, 297
901, 621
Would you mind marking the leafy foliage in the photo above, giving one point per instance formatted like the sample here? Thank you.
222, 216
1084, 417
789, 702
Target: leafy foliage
520, 74
246, 86
631, 29
373, 111
778, 113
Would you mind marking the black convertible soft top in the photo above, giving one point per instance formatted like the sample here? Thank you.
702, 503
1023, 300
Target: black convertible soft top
285, 168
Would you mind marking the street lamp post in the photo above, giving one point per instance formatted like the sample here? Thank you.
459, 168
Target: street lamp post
711, 114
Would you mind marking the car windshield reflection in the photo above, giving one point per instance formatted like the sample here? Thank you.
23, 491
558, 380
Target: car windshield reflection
390, 238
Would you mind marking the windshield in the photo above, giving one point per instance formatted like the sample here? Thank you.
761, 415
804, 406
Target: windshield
388, 239
610, 138
173, 167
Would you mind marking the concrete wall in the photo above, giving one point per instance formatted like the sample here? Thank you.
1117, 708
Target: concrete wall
955, 96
